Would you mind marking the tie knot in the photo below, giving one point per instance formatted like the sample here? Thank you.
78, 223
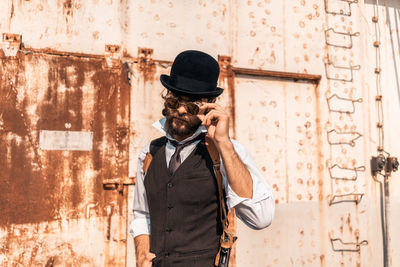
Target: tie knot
180, 146
175, 160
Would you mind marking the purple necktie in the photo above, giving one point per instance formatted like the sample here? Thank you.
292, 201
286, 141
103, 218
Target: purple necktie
175, 160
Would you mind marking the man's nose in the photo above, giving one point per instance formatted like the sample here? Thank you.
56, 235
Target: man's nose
182, 109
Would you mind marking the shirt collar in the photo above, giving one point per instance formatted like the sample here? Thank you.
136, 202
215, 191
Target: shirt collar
160, 125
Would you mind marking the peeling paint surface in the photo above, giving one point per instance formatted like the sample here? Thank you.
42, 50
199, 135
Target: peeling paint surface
48, 193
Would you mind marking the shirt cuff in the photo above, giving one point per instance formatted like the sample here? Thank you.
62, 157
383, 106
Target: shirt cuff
261, 191
139, 226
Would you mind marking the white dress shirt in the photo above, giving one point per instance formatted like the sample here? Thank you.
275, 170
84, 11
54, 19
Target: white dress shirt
257, 212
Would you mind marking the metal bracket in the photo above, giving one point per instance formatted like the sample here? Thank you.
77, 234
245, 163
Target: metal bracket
392, 164
11, 44
342, 137
113, 55
342, 75
341, 11
346, 246
349, 110
145, 59
330, 33
388, 164
225, 65
353, 197
118, 183
351, 177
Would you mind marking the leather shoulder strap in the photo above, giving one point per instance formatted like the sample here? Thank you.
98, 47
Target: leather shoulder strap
155, 145
214, 154
227, 239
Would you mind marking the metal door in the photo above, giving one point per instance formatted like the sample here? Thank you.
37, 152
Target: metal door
279, 121
64, 135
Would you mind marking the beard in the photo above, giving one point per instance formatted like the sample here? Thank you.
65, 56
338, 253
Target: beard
180, 125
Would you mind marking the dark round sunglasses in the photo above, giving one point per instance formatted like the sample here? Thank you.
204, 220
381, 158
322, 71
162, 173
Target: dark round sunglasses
192, 107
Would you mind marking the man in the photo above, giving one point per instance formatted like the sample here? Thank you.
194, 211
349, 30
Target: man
176, 208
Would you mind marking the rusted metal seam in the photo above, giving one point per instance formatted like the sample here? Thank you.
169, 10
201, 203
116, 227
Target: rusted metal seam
277, 74
60, 53
84, 55
243, 71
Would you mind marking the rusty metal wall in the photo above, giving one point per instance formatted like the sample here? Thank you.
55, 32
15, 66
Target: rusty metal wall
54, 207
312, 141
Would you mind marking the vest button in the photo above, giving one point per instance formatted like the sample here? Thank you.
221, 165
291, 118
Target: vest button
170, 207
168, 230
167, 254
169, 185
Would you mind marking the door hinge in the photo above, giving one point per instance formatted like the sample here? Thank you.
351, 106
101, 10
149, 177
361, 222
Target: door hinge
113, 56
11, 44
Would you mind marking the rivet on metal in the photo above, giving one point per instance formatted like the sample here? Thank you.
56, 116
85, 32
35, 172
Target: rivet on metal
375, 19
378, 98
377, 43
378, 70
379, 125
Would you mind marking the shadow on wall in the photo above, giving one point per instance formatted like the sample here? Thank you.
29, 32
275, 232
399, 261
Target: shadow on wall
392, 10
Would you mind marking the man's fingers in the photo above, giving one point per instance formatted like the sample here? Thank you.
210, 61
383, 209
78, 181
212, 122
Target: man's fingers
212, 116
201, 116
206, 105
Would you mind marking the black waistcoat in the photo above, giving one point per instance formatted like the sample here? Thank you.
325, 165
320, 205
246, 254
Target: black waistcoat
184, 209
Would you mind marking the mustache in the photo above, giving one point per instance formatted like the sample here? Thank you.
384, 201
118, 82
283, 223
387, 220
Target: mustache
175, 115
181, 118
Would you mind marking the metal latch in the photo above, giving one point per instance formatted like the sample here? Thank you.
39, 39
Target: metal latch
118, 183
11, 44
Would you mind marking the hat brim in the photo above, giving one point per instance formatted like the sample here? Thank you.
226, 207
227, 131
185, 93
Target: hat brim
181, 91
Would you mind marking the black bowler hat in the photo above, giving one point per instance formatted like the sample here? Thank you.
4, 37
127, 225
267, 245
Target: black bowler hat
193, 74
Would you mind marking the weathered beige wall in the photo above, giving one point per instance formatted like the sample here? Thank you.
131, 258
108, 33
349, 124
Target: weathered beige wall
284, 123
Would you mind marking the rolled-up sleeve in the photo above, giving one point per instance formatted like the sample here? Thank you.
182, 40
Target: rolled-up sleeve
141, 222
256, 212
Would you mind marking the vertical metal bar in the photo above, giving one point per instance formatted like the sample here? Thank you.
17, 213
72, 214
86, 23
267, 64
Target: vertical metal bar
386, 249
381, 202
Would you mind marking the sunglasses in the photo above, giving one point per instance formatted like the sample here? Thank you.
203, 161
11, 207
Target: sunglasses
192, 107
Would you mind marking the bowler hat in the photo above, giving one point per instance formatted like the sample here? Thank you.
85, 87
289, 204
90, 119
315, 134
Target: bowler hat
193, 74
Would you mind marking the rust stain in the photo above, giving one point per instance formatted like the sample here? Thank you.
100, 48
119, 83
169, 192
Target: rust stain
226, 72
30, 194
11, 13
146, 64
67, 8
